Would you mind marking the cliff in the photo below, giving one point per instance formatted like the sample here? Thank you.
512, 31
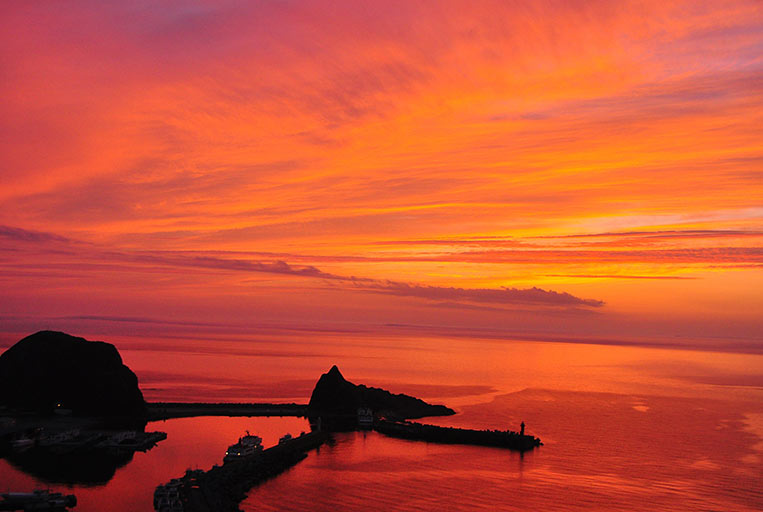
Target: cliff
335, 396
87, 377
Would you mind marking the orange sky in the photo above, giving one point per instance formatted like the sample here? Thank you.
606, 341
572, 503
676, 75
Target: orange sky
558, 168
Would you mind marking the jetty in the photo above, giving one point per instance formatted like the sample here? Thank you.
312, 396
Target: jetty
223, 487
436, 434
168, 410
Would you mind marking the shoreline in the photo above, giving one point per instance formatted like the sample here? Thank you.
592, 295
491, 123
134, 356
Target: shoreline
15, 423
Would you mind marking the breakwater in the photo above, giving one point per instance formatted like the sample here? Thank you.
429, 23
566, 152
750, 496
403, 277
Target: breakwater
223, 487
436, 434
167, 410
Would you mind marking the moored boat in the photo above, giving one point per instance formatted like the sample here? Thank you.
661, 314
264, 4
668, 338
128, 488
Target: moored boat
22, 443
246, 446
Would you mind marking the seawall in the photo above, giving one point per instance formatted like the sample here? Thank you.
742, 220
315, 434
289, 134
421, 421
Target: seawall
222, 488
436, 434
168, 410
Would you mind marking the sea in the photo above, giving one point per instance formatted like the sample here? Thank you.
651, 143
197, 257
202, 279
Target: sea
624, 427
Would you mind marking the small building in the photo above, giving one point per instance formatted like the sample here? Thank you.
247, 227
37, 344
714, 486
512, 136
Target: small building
365, 417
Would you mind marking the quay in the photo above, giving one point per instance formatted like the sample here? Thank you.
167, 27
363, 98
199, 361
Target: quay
133, 441
77, 441
222, 488
433, 433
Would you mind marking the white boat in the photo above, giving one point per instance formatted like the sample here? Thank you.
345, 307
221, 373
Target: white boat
247, 446
59, 437
118, 439
21, 444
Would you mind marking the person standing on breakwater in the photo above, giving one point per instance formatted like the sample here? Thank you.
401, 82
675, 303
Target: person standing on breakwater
522, 429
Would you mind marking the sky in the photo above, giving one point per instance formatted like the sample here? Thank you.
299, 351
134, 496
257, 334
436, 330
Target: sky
560, 170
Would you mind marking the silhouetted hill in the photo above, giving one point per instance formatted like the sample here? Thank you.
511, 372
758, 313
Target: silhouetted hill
334, 395
87, 377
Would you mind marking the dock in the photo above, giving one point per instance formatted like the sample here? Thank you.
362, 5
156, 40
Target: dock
223, 487
76, 441
436, 434
132, 441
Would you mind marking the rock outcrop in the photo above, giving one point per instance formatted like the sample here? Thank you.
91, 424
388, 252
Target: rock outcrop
50, 370
335, 396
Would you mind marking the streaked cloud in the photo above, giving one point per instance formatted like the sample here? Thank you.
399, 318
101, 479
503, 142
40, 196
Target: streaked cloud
24, 235
533, 295
155, 262
617, 276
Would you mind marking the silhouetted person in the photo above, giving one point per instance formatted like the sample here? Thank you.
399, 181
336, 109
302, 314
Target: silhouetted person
522, 429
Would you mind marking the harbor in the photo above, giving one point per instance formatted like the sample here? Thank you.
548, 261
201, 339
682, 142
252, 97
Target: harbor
69, 449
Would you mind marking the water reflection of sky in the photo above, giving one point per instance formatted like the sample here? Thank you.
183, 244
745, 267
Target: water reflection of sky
191, 443
453, 370
600, 453
625, 428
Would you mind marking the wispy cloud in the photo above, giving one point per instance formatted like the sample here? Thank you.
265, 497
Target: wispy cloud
209, 262
25, 235
503, 296
667, 234
531, 296
619, 276
144, 261
706, 255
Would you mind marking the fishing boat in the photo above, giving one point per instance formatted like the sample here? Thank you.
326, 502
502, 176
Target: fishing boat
246, 446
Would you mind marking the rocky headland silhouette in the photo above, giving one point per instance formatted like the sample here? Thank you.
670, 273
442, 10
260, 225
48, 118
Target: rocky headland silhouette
52, 370
337, 400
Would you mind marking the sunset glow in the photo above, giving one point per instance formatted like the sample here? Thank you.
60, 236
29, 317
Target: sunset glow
565, 169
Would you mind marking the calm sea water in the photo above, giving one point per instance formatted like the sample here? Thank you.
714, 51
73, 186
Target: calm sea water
624, 428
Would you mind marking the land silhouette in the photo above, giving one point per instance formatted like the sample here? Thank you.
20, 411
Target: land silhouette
51, 370
338, 400
54, 381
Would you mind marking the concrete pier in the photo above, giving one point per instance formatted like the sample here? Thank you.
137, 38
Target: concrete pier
222, 488
168, 410
433, 433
